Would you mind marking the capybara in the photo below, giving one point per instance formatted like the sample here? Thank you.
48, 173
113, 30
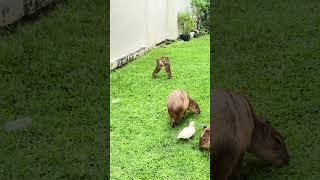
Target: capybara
204, 143
162, 62
178, 104
237, 130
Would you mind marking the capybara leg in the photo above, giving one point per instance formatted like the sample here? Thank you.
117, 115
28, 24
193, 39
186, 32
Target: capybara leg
221, 169
184, 113
173, 121
156, 71
236, 172
168, 70
223, 162
172, 118
179, 116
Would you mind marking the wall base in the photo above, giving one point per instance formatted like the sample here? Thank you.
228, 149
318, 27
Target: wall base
124, 60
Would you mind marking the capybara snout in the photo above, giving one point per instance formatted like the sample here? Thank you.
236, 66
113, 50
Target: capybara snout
179, 102
269, 144
164, 61
194, 107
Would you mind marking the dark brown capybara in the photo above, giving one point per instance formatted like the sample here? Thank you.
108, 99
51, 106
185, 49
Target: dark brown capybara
237, 130
178, 103
162, 62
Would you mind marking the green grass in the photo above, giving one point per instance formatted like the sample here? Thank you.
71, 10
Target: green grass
270, 51
50, 70
143, 146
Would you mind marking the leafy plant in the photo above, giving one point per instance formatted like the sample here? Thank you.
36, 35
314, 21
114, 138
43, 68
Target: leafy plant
202, 10
186, 23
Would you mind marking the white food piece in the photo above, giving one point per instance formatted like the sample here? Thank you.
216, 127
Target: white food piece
115, 101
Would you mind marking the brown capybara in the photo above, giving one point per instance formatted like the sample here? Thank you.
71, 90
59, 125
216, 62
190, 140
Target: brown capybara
178, 104
237, 130
162, 62
204, 143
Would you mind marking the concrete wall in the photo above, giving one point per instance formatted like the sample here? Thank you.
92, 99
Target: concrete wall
142, 23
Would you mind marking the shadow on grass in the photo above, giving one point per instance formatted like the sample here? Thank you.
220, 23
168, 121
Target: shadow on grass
253, 167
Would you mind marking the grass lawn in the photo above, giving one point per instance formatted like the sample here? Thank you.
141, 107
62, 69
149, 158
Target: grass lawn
143, 146
270, 51
51, 71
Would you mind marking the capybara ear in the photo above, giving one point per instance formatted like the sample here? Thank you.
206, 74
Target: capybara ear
204, 127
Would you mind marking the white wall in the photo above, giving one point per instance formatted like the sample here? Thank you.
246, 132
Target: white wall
142, 23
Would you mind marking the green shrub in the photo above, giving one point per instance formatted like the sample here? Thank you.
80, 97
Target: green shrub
202, 10
186, 23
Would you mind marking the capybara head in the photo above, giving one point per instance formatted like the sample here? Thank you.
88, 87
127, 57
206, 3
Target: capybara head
268, 144
204, 142
164, 60
194, 107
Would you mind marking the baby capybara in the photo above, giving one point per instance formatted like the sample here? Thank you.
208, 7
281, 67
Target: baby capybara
237, 130
204, 143
162, 62
178, 104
